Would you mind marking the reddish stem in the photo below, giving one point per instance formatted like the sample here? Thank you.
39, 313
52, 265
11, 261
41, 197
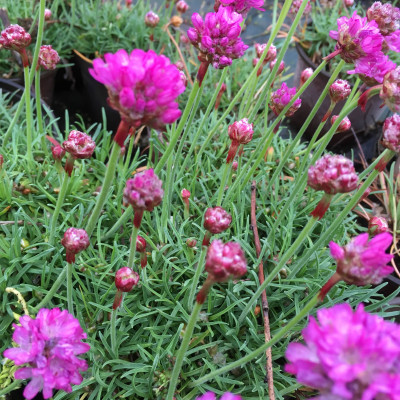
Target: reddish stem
69, 165
206, 240
333, 280
122, 133
24, 57
332, 55
232, 151
202, 295
143, 260
70, 257
372, 91
117, 299
137, 218
329, 112
322, 206
202, 71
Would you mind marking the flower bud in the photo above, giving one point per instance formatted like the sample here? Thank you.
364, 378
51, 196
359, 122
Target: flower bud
217, 220
74, 240
182, 6
271, 53
126, 279
47, 14
377, 225
280, 69
58, 152
14, 37
179, 64
344, 126
183, 78
281, 98
185, 194
339, 90
191, 242
79, 145
151, 19
386, 16
141, 244
235, 165
348, 3
390, 92
48, 57
391, 133
305, 75
176, 21
241, 131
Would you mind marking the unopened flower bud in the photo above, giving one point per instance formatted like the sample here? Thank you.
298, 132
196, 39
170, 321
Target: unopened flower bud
141, 244
391, 133
305, 75
14, 37
390, 92
151, 19
235, 165
176, 21
179, 64
79, 145
184, 39
280, 68
271, 53
74, 240
339, 90
183, 78
182, 6
185, 194
47, 14
217, 220
281, 98
58, 152
377, 225
386, 16
126, 279
191, 242
344, 126
48, 57
241, 131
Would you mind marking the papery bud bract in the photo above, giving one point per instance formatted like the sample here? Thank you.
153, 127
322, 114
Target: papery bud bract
377, 225
391, 133
305, 75
217, 220
339, 90
176, 21
344, 126
79, 145
14, 37
126, 279
74, 240
151, 19
141, 244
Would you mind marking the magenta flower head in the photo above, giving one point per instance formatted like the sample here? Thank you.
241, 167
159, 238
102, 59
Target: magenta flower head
348, 355
305, 75
49, 345
386, 16
390, 92
241, 131
48, 57
142, 86
372, 69
217, 220
377, 225
344, 125
339, 90
151, 19
281, 98
391, 133
333, 174
126, 279
79, 145
362, 262
240, 6
217, 37
14, 37
74, 240
225, 396
356, 37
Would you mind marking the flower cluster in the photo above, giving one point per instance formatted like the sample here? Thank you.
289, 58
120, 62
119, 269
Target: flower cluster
49, 345
391, 133
48, 57
281, 98
14, 37
217, 220
390, 91
240, 6
79, 145
348, 355
74, 240
142, 86
217, 37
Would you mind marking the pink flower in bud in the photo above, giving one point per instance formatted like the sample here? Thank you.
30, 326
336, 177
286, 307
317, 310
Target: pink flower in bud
294, 9
225, 396
377, 225
386, 16
333, 174
356, 37
240, 6
126, 279
179, 64
14, 37
217, 37
241, 131
144, 191
191, 242
390, 92
141, 244
79, 145
344, 126
235, 165
182, 77
271, 53
47, 14
348, 355
372, 69
305, 75
58, 152
217, 220
74, 240
151, 19
48, 57
142, 86
182, 6
391, 133
185, 194
128, 2
225, 261
348, 3
362, 262
339, 90
280, 68
281, 98
1, 161
184, 39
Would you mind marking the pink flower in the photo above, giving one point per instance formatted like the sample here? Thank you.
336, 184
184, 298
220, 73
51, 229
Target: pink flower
14, 37
333, 174
58, 152
348, 355
339, 90
48, 57
79, 145
182, 6
74, 240
142, 86
391, 133
217, 37
225, 396
217, 220
271, 53
280, 68
144, 191
240, 6
390, 92
305, 75
126, 279
362, 262
281, 98
151, 19
377, 225
372, 69
49, 345
241, 131
386, 17
47, 14
185, 194
344, 126
225, 261
356, 37
294, 9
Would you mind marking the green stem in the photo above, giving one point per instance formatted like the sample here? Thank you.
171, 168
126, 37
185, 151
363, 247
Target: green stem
39, 116
132, 248
196, 277
281, 334
121, 221
227, 168
176, 133
182, 350
60, 201
69, 288
105, 189
113, 333
53, 289
285, 257
28, 110
15, 385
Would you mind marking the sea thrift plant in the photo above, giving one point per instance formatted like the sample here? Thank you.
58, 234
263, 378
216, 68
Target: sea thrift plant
339, 90
390, 91
391, 133
240, 133
182, 6
294, 9
49, 345
349, 355
14, 37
